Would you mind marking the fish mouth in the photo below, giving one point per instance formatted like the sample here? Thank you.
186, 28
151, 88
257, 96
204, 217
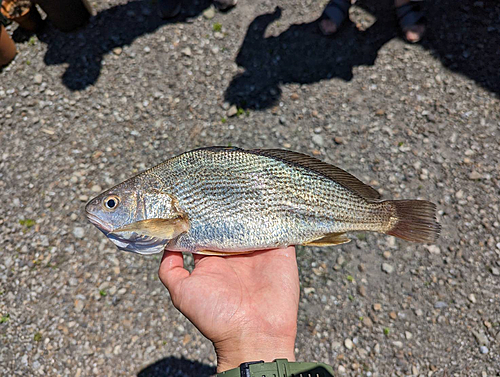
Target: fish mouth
102, 225
138, 244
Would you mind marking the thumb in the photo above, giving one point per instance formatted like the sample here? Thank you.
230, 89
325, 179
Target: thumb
172, 273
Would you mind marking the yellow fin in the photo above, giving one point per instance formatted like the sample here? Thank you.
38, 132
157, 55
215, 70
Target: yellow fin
158, 228
221, 253
329, 240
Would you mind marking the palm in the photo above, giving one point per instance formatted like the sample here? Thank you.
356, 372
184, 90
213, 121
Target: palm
226, 296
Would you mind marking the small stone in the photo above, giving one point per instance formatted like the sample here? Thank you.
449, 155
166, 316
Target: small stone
73, 217
393, 315
187, 51
380, 112
341, 369
367, 321
294, 96
83, 198
398, 344
38, 78
434, 249
96, 188
387, 268
362, 290
318, 140
79, 232
377, 348
233, 110
348, 344
440, 305
481, 338
117, 51
79, 306
408, 335
361, 267
16, 202
338, 140
387, 254
309, 290
419, 312
340, 260
459, 194
186, 339
495, 271
209, 13
484, 349
472, 298
474, 175
147, 50
117, 349
377, 307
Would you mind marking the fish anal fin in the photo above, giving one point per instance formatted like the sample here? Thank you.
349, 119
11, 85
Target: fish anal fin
329, 240
159, 228
327, 170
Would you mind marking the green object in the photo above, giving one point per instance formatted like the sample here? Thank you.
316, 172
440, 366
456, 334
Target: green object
279, 368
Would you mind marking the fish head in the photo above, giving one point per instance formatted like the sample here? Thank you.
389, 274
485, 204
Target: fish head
115, 211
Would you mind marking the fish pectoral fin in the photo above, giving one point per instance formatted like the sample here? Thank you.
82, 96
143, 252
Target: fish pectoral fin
329, 240
221, 253
158, 228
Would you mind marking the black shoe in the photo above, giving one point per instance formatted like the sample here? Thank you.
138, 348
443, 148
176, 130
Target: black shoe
169, 8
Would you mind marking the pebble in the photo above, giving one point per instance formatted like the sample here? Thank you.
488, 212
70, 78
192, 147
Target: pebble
434, 249
38, 78
83, 198
398, 344
338, 140
73, 217
377, 307
480, 338
117, 51
187, 51
209, 13
318, 140
440, 305
341, 369
96, 188
367, 321
484, 349
387, 268
387, 254
393, 315
408, 335
474, 175
348, 344
419, 312
79, 232
362, 290
472, 298
495, 271
233, 110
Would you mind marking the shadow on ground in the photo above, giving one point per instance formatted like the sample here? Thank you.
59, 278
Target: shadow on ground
464, 37
117, 26
173, 366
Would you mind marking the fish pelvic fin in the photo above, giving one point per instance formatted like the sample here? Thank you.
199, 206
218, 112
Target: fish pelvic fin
329, 240
158, 228
415, 220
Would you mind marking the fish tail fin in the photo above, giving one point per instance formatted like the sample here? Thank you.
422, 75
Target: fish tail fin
415, 220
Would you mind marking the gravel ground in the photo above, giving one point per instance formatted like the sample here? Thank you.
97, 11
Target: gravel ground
82, 111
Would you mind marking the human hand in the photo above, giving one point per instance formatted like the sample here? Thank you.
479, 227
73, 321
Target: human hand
245, 304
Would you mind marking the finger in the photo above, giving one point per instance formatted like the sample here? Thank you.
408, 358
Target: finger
198, 257
172, 271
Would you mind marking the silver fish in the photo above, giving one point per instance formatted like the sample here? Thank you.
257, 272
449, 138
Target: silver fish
224, 201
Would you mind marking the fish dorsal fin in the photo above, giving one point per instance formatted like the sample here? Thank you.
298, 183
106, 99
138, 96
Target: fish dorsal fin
330, 171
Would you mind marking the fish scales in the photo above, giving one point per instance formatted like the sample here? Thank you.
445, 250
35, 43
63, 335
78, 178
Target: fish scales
232, 200
243, 192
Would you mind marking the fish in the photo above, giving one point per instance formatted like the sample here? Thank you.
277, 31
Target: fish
227, 201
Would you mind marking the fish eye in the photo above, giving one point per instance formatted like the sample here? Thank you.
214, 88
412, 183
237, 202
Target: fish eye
111, 202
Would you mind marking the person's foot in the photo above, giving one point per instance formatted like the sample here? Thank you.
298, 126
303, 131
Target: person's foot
411, 19
333, 16
225, 4
169, 8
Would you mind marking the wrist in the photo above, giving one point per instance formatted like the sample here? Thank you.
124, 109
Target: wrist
232, 352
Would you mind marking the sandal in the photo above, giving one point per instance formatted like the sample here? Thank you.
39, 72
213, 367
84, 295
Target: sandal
336, 12
409, 16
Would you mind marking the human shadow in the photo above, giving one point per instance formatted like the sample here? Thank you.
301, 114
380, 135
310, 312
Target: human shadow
301, 54
120, 25
173, 366
460, 36
465, 37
